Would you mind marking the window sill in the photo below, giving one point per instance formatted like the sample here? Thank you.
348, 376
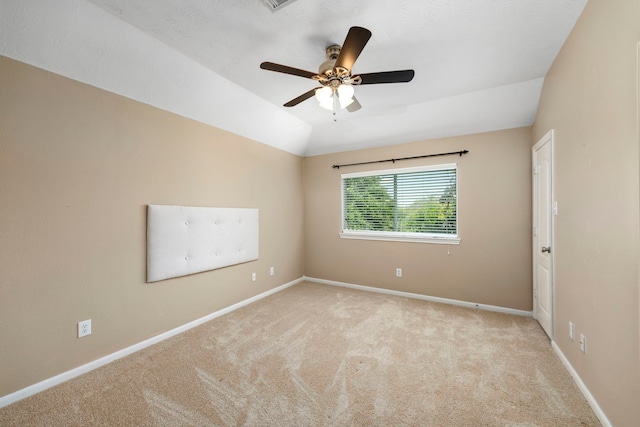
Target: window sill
400, 237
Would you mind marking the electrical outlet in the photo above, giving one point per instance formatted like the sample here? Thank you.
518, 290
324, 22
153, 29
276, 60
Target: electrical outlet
253, 277
572, 331
398, 272
583, 343
84, 328
272, 271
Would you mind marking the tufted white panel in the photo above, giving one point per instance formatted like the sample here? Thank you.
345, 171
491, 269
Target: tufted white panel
185, 240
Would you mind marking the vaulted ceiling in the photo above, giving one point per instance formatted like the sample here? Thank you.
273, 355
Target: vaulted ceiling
479, 64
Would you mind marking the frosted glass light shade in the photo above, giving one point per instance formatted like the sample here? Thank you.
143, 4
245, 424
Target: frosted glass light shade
345, 92
345, 95
325, 96
327, 105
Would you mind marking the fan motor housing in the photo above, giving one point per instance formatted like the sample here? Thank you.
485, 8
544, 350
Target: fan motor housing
326, 67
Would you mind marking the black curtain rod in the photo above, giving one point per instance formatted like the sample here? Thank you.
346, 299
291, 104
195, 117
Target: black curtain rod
404, 158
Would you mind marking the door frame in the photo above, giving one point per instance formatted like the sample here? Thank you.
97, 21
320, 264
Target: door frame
638, 138
546, 139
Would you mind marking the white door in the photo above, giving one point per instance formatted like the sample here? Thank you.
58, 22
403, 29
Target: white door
543, 232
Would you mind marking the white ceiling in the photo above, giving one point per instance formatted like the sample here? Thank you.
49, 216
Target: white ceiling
479, 63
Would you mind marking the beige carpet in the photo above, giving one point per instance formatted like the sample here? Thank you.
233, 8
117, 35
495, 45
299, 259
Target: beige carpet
316, 355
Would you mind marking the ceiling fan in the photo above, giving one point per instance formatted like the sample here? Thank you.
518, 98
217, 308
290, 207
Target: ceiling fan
336, 91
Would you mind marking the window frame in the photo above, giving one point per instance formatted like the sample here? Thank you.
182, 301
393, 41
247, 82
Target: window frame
395, 236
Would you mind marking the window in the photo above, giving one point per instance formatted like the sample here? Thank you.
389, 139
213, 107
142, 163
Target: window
411, 204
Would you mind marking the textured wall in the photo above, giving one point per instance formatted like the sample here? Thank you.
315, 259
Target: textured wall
589, 98
78, 166
492, 264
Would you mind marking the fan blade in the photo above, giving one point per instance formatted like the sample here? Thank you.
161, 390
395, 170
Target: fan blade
303, 97
354, 106
287, 70
401, 76
356, 40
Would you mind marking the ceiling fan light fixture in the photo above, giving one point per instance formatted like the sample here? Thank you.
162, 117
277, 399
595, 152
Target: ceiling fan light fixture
324, 95
345, 93
327, 105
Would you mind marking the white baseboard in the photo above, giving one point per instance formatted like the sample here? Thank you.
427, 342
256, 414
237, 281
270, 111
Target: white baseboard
424, 297
581, 385
65, 376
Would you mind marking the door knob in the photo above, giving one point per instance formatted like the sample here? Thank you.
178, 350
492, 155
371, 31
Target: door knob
546, 249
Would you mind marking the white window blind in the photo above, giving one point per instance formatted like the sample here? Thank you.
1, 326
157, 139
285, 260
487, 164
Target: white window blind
411, 202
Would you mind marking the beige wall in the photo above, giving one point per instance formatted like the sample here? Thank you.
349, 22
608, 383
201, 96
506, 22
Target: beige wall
589, 98
492, 264
78, 166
